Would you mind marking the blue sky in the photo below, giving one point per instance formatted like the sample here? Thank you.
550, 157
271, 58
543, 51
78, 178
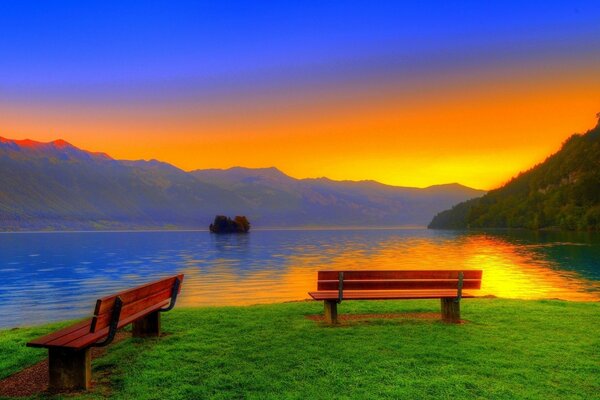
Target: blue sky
62, 46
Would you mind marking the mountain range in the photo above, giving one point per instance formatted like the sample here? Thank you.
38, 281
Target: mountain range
57, 186
562, 192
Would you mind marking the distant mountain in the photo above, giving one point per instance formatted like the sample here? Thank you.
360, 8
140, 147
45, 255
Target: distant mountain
56, 186
562, 192
278, 199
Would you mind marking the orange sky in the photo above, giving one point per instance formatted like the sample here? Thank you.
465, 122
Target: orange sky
477, 129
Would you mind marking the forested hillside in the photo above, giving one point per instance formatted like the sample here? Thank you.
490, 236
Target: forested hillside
562, 192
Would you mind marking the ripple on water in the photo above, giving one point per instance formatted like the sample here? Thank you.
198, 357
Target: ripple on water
270, 266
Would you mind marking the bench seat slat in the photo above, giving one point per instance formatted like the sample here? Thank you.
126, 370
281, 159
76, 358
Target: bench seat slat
400, 274
43, 340
91, 338
103, 320
85, 330
106, 304
390, 284
386, 294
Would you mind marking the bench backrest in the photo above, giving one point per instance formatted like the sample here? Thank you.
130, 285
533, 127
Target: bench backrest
134, 303
399, 280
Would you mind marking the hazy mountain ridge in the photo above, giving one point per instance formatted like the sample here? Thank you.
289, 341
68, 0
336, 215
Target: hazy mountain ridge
334, 202
73, 189
561, 192
59, 186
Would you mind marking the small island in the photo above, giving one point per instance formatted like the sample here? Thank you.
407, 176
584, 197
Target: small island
223, 224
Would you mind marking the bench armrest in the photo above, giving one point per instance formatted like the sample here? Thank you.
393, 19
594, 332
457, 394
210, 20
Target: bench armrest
174, 293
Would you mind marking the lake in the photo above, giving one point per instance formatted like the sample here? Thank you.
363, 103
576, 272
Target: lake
55, 276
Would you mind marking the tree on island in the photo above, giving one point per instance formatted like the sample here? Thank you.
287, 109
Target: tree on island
223, 224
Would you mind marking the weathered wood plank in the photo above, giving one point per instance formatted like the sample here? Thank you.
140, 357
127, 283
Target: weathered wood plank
91, 338
105, 304
83, 331
42, 341
398, 284
162, 297
400, 274
387, 294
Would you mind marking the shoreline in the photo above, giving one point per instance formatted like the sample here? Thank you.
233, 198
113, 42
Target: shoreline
231, 307
225, 307
263, 229
318, 228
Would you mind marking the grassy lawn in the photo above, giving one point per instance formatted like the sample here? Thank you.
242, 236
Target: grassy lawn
509, 349
14, 356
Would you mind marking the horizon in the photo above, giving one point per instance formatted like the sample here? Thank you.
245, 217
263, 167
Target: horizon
405, 94
60, 143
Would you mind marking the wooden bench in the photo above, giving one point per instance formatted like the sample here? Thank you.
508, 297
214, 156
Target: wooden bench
335, 286
69, 359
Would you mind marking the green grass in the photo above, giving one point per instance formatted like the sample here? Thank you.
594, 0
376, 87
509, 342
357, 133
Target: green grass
510, 349
14, 356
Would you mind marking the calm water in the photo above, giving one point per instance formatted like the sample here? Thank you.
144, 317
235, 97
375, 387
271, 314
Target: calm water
54, 276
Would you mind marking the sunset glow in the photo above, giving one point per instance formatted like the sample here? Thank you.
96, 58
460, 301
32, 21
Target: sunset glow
509, 270
418, 108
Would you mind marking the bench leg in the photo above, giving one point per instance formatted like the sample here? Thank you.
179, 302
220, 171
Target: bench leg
69, 369
147, 326
450, 310
331, 312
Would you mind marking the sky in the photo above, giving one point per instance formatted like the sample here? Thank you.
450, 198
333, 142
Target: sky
405, 93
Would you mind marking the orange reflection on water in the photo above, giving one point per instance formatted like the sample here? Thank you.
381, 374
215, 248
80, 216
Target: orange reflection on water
512, 270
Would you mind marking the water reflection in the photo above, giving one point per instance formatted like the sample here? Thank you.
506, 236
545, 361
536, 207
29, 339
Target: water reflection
56, 276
